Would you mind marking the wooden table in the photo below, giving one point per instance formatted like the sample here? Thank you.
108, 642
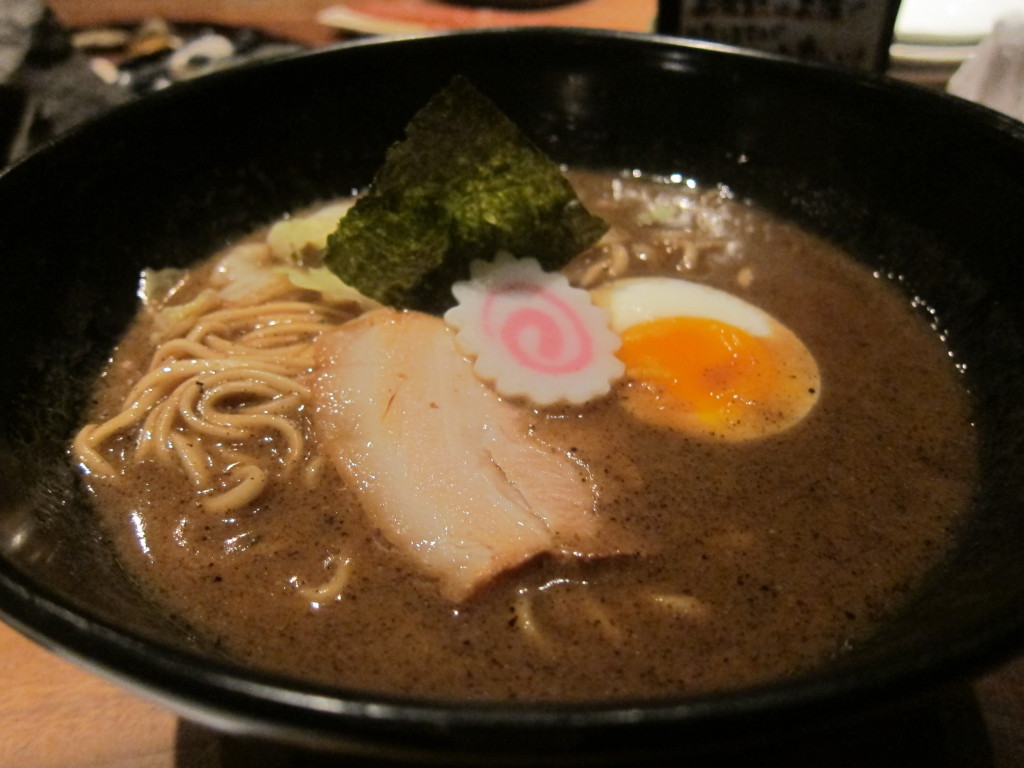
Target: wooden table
290, 19
296, 19
53, 714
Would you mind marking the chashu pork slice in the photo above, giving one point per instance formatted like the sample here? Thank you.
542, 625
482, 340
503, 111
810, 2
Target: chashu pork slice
446, 469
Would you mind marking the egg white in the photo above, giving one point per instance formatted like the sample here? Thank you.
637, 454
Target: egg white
776, 386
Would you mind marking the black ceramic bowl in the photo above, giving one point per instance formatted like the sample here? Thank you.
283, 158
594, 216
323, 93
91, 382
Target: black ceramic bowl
911, 182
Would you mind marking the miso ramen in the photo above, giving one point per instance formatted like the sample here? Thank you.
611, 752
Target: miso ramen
234, 456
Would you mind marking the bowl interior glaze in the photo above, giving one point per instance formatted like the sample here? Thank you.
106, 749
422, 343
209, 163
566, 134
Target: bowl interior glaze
913, 183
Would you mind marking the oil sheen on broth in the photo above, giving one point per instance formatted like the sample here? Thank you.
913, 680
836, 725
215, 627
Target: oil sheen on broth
757, 558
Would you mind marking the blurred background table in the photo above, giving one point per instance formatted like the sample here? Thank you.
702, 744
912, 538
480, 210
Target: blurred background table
289, 19
296, 20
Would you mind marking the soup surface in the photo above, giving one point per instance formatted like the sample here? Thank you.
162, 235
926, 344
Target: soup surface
748, 560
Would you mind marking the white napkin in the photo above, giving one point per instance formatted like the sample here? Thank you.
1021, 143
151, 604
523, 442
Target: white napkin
993, 75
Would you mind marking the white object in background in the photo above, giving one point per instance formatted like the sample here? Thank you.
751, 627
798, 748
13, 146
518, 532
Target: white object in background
950, 22
994, 74
934, 37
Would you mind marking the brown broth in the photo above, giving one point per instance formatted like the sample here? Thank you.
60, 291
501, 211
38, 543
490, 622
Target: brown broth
771, 556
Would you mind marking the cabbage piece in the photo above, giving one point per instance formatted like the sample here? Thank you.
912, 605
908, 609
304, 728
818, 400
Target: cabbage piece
328, 285
463, 185
300, 238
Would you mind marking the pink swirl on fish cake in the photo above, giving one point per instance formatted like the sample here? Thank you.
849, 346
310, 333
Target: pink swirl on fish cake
532, 334
538, 337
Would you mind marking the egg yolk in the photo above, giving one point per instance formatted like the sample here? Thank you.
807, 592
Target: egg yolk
709, 377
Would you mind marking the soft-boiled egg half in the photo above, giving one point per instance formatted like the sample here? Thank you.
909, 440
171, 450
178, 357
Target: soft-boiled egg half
706, 362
